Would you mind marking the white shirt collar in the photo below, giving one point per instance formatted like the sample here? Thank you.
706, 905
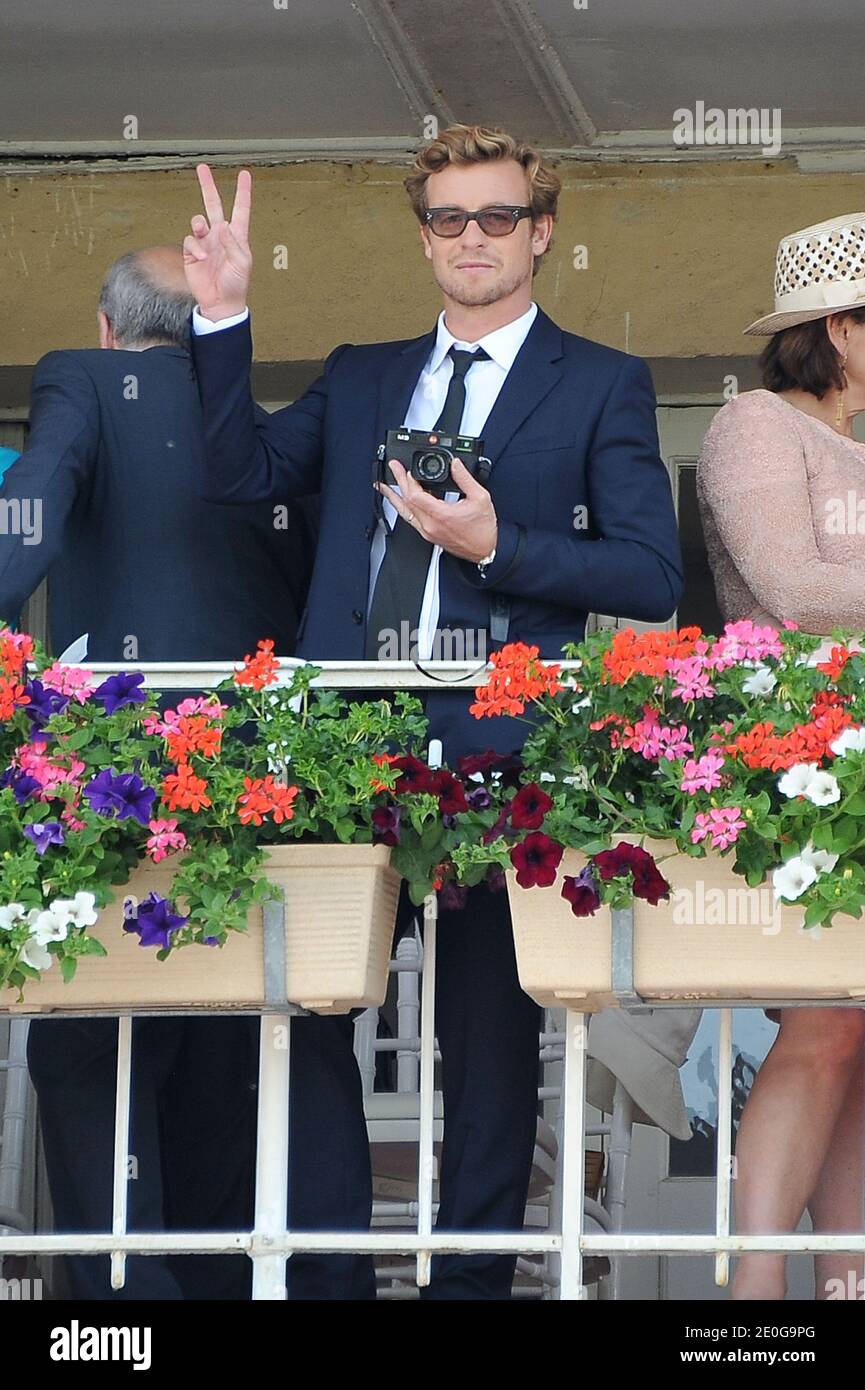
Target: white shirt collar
502, 344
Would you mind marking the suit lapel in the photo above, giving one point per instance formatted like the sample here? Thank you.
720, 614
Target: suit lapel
397, 384
536, 369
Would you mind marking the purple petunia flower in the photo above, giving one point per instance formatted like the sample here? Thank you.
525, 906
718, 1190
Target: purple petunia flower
43, 703
22, 784
479, 799
154, 921
120, 690
45, 833
495, 879
452, 896
121, 795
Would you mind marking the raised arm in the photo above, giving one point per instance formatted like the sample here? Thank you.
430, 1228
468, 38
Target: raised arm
753, 478
250, 456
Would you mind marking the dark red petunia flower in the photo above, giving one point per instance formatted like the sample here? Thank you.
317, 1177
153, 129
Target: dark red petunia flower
385, 821
536, 860
450, 792
648, 881
509, 765
529, 807
415, 775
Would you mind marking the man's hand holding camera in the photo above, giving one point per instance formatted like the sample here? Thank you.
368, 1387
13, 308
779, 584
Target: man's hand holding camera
467, 528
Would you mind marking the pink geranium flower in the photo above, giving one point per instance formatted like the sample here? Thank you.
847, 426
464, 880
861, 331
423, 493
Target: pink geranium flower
164, 839
703, 774
50, 773
69, 680
745, 641
722, 824
692, 678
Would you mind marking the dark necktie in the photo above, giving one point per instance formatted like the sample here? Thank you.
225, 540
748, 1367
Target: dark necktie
403, 572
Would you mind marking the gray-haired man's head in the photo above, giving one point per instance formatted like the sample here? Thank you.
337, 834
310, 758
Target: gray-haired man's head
145, 301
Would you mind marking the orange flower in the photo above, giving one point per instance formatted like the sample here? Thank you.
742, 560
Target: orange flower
259, 670
182, 790
517, 677
836, 662
264, 797
807, 743
645, 653
16, 649
11, 696
193, 734
383, 760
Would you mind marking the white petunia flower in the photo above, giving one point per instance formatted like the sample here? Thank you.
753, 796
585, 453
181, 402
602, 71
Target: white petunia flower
791, 879
49, 926
80, 911
10, 915
546, 777
819, 859
38, 957
849, 740
823, 789
762, 682
799, 778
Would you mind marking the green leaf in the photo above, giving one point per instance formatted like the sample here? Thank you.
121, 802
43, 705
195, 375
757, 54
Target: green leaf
80, 738
68, 966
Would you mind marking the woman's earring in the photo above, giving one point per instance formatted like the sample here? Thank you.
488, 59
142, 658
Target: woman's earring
839, 412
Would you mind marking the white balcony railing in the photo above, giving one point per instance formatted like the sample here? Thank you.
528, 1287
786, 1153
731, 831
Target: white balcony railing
270, 1243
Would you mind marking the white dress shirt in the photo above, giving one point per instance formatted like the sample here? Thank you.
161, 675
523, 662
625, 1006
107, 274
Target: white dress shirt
483, 381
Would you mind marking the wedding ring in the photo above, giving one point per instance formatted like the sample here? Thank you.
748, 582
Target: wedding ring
410, 516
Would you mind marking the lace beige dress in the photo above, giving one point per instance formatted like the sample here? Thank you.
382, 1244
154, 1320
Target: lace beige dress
779, 496
782, 501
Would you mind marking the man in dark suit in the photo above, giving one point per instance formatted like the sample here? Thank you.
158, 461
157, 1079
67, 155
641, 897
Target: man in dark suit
577, 517
150, 572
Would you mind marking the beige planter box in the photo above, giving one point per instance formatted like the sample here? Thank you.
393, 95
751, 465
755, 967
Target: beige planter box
715, 939
332, 954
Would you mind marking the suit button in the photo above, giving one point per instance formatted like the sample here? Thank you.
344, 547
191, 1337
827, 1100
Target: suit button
357, 615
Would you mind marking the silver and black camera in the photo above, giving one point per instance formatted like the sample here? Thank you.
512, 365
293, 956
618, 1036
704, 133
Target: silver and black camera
427, 457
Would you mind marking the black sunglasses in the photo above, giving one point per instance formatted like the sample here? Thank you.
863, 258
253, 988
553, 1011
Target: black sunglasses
495, 221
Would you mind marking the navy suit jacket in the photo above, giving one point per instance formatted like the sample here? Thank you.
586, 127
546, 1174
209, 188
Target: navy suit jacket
573, 426
114, 454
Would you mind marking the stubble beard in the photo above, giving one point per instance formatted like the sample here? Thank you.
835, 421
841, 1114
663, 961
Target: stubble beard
462, 292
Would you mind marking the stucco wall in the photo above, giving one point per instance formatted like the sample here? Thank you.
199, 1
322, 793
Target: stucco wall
680, 257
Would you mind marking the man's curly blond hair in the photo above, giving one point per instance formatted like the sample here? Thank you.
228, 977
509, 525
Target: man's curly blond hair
473, 144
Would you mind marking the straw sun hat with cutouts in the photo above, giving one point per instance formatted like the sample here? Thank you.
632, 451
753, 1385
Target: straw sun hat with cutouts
818, 271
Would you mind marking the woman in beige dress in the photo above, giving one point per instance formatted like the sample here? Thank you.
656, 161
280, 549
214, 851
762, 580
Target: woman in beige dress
781, 489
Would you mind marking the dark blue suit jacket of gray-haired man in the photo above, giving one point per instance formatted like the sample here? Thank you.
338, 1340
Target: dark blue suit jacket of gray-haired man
131, 550
573, 426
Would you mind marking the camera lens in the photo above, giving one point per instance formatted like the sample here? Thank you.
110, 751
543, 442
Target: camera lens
431, 467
